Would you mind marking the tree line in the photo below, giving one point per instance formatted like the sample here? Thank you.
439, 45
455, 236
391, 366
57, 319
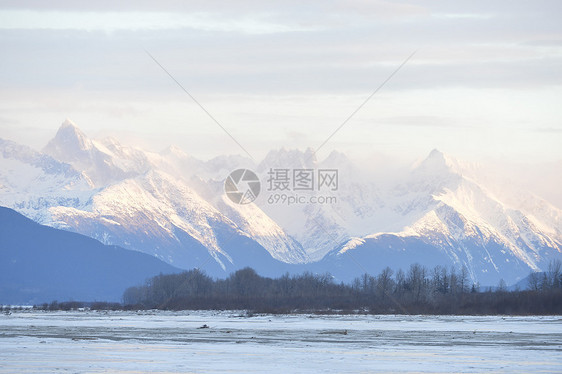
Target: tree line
416, 291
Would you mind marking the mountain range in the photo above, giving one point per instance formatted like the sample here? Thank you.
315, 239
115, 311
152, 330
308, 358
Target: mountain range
171, 205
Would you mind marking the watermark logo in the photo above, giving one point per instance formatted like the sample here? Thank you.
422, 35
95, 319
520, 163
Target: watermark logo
284, 186
302, 180
242, 186
301, 186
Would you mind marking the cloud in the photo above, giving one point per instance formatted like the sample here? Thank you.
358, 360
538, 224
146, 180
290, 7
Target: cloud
115, 21
216, 62
421, 121
549, 130
275, 70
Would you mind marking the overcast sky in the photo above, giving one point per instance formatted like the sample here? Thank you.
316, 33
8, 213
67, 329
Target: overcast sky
485, 83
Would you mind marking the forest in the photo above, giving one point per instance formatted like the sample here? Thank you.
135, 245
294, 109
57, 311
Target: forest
416, 291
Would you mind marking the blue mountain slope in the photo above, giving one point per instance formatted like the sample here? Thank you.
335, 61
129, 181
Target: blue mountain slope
373, 255
399, 252
41, 264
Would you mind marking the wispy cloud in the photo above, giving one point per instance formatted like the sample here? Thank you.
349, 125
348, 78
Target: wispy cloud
137, 21
270, 71
549, 130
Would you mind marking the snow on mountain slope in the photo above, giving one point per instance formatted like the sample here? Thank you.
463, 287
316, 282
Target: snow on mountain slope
508, 225
252, 220
172, 205
31, 182
145, 201
321, 227
103, 161
158, 214
146, 213
260, 227
469, 225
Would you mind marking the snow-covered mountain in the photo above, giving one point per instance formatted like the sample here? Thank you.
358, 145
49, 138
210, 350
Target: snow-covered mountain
173, 206
460, 222
103, 161
161, 204
32, 182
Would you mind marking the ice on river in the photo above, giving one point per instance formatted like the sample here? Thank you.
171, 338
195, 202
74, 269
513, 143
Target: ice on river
163, 342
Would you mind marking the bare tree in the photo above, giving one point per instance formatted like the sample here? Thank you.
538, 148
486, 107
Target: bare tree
534, 282
385, 282
502, 286
553, 274
463, 279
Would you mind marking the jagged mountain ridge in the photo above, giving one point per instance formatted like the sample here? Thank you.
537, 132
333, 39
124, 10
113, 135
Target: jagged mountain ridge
466, 225
32, 182
103, 161
136, 202
172, 205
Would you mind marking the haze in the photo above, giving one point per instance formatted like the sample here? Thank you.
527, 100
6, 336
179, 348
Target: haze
484, 85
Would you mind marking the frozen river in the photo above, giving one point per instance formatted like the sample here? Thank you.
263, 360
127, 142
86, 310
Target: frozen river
163, 342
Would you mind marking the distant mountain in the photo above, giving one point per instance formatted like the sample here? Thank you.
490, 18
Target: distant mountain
173, 206
33, 182
103, 161
451, 219
41, 264
157, 214
438, 213
321, 227
168, 205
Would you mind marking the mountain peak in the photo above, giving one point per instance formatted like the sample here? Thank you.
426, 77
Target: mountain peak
68, 123
436, 154
337, 156
68, 141
69, 132
436, 161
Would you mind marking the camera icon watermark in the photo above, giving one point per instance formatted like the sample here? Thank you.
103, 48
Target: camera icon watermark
242, 186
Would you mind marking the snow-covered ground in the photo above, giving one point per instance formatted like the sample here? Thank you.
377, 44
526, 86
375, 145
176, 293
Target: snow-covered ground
166, 342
